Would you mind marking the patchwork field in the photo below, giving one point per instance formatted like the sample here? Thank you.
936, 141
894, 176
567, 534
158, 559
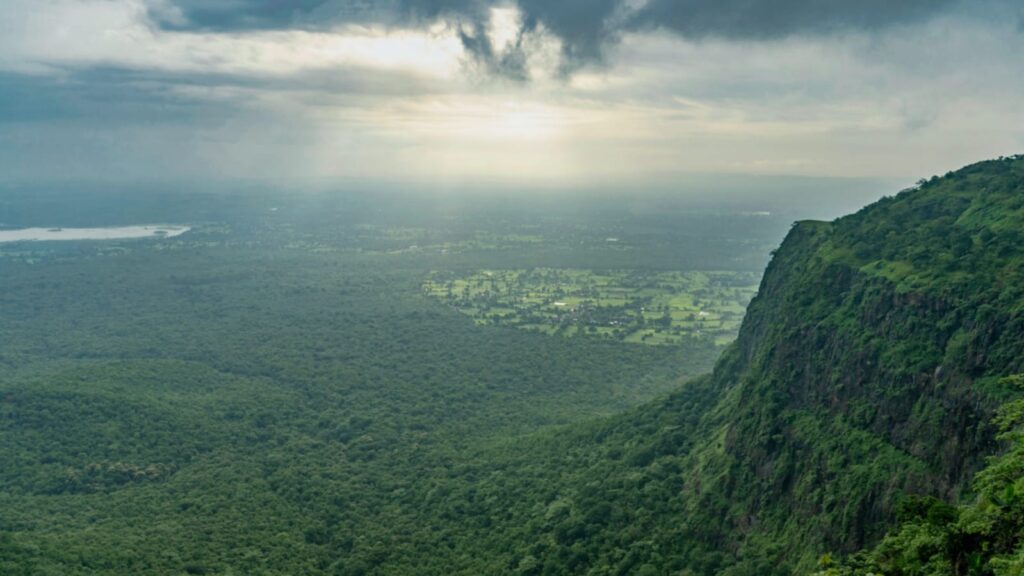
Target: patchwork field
634, 306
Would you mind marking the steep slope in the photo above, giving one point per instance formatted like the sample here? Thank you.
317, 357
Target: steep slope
867, 369
870, 363
984, 537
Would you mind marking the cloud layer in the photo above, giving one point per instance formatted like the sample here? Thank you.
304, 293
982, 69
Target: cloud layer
584, 27
574, 93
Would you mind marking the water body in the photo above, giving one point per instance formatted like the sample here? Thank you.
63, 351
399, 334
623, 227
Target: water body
113, 233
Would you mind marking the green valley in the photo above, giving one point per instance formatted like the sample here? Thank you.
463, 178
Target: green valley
280, 393
273, 393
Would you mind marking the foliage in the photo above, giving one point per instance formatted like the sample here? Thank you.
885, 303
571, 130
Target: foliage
982, 538
270, 394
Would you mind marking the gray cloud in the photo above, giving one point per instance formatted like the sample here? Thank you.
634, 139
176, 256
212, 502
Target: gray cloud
510, 63
101, 96
845, 95
311, 14
585, 27
469, 15
773, 19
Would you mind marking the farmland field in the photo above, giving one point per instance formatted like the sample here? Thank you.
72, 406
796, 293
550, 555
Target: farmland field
630, 305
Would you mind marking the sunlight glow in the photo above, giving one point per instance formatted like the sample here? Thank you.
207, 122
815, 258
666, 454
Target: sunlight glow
504, 27
64, 32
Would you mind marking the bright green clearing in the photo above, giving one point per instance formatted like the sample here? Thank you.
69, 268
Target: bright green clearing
635, 306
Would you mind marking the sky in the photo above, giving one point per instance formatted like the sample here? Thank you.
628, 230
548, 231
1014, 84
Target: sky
534, 93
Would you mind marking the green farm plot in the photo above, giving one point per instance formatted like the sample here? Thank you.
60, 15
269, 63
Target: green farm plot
634, 306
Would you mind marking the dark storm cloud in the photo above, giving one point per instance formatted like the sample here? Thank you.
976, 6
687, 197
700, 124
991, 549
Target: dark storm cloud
469, 15
763, 19
510, 63
313, 14
585, 27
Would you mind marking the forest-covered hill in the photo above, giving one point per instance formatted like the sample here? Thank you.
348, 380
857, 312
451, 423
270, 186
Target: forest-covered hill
864, 382
865, 378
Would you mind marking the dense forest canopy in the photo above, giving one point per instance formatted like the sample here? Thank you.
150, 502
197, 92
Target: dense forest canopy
272, 392
292, 389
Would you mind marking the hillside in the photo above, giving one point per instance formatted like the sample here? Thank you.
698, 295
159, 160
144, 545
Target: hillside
867, 369
871, 362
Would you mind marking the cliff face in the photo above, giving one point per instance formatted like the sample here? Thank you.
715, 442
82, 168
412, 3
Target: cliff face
867, 369
868, 365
